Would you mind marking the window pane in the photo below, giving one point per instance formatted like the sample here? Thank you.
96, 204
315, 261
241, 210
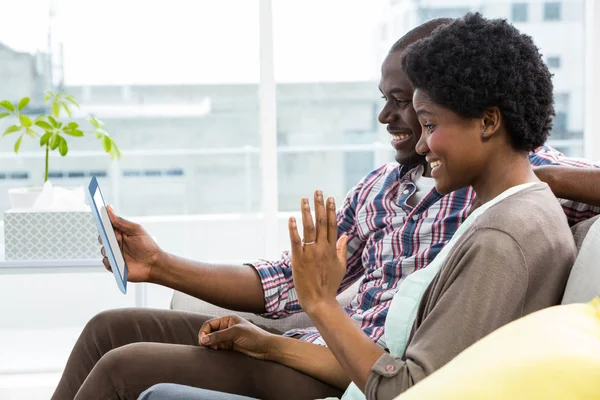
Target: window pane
327, 96
176, 89
552, 11
519, 12
333, 101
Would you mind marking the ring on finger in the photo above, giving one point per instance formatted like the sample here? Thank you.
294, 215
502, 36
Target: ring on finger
308, 243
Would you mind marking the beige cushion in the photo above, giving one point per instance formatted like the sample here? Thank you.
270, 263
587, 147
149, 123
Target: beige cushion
183, 302
584, 282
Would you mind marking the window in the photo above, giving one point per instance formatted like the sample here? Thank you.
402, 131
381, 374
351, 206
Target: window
427, 13
553, 62
185, 109
552, 11
520, 12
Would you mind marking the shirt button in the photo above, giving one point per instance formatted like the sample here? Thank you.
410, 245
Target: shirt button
415, 217
406, 191
390, 368
385, 286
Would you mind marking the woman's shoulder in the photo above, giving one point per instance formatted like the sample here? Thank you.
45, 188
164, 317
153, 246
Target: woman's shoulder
534, 218
534, 207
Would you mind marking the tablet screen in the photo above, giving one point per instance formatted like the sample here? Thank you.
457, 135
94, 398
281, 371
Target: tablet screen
110, 233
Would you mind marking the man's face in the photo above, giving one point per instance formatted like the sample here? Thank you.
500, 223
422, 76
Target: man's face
398, 113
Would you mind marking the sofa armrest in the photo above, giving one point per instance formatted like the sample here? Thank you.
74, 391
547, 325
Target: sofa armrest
184, 302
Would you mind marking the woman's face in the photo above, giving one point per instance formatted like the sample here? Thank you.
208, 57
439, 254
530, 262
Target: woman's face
452, 145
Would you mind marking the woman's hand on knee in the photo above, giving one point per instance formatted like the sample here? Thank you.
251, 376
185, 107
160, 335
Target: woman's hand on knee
235, 333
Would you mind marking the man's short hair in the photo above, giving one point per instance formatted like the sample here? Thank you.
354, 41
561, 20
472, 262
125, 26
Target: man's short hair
419, 32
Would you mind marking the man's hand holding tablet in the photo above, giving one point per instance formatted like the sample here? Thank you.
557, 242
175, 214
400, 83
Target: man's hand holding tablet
128, 251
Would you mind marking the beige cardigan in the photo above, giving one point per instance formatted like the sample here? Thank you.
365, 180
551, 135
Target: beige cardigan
513, 261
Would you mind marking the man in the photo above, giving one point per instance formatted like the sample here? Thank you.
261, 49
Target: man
395, 221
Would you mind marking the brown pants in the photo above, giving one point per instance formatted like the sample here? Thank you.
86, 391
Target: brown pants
123, 352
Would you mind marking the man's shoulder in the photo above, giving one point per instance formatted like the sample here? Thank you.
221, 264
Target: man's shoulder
381, 174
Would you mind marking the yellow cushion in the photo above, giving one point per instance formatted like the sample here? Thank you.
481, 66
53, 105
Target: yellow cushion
551, 354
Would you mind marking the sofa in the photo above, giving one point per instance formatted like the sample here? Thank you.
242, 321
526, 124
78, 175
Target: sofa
583, 284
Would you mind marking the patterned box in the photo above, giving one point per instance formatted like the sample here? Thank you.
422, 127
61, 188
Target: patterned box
50, 235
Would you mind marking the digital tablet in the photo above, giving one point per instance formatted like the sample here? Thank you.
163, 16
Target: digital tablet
107, 234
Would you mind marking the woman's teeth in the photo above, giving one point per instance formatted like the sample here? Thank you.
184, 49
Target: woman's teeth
434, 164
401, 136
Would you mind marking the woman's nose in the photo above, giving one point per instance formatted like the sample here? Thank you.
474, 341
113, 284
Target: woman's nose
421, 147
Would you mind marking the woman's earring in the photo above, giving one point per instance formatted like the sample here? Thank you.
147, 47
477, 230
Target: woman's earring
484, 133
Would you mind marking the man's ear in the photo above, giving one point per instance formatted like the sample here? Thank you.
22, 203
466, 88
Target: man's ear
491, 121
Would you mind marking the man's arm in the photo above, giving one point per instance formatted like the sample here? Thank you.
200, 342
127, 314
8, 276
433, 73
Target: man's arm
235, 287
572, 183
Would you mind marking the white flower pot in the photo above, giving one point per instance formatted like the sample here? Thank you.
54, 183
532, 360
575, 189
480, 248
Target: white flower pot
21, 198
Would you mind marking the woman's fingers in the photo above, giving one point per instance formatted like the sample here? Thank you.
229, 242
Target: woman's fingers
320, 217
307, 223
332, 228
295, 240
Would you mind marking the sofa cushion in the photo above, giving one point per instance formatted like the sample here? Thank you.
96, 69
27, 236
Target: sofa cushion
552, 354
584, 280
184, 302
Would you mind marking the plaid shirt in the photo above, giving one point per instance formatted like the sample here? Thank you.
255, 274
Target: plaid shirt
388, 240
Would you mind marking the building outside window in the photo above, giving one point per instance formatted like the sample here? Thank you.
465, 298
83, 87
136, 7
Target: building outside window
553, 62
520, 12
552, 11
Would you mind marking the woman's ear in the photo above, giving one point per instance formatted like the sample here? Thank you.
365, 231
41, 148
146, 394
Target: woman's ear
492, 119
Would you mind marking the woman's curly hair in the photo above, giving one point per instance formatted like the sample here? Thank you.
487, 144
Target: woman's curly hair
475, 63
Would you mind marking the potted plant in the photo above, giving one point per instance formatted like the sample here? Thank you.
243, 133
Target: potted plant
52, 131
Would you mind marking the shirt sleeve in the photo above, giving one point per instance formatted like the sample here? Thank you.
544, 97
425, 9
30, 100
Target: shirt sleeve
276, 276
489, 267
575, 211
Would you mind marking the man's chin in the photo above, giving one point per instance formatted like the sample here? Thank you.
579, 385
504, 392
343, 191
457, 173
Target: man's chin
411, 160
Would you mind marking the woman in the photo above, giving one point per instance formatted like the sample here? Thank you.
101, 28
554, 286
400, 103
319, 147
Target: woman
483, 97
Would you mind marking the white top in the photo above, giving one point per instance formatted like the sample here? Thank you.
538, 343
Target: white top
424, 186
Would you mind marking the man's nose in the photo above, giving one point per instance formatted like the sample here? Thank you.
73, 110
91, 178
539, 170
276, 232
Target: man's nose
386, 115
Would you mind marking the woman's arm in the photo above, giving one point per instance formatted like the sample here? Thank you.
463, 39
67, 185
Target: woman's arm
310, 359
235, 333
318, 264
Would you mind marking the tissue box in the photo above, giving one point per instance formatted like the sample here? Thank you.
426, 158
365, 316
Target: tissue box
52, 235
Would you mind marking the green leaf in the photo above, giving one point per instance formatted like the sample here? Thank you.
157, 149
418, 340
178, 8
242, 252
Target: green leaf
73, 132
63, 148
71, 99
50, 93
12, 129
44, 125
8, 105
23, 103
106, 143
54, 141
3, 115
56, 109
99, 135
18, 144
44, 139
95, 122
53, 122
72, 125
115, 152
25, 121
31, 132
66, 107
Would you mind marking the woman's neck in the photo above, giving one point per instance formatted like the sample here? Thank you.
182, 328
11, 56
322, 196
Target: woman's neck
503, 171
